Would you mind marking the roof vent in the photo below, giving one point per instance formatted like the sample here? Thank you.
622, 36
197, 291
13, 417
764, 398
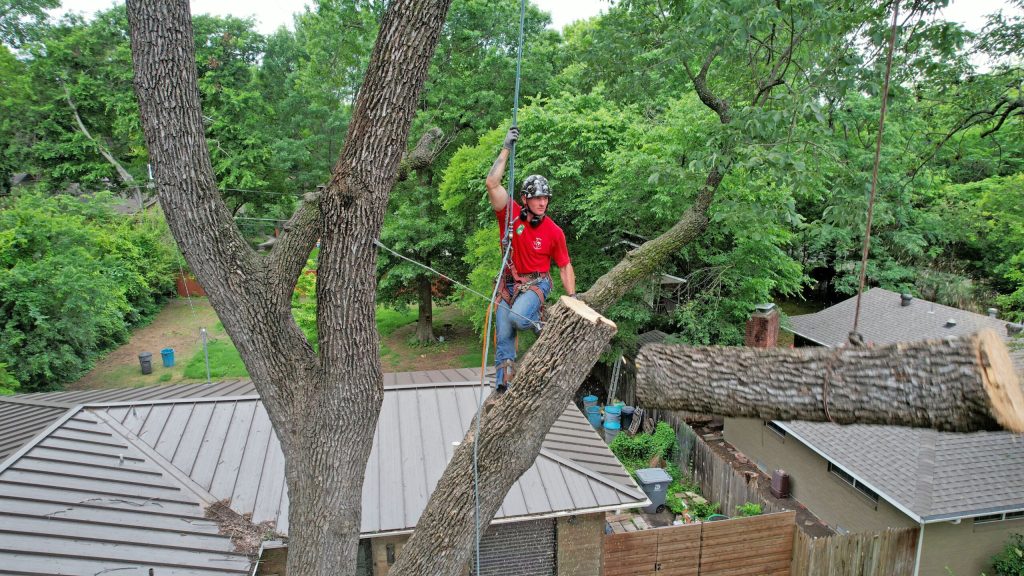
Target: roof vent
951, 322
993, 312
1012, 329
905, 299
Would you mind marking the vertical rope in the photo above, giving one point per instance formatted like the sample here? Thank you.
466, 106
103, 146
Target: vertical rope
507, 246
874, 172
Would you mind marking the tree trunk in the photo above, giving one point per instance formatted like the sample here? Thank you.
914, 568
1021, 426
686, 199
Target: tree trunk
309, 399
963, 384
425, 324
510, 437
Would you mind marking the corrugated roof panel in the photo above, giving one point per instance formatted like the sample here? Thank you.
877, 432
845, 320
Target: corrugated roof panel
391, 504
191, 438
272, 485
414, 435
84, 501
252, 471
171, 434
212, 445
232, 450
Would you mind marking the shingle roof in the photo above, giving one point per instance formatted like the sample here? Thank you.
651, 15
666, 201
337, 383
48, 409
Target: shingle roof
141, 466
884, 321
928, 474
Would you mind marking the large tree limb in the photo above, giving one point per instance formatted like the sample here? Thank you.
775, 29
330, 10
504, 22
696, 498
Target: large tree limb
962, 384
508, 443
126, 178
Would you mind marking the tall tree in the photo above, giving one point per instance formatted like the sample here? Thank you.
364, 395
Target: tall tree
306, 394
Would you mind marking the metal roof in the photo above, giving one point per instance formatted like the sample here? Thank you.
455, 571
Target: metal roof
83, 500
122, 483
930, 475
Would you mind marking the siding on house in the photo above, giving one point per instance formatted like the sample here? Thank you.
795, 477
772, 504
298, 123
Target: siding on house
580, 542
967, 548
826, 495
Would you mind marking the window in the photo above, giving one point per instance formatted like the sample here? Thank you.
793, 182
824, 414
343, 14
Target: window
999, 517
775, 428
849, 479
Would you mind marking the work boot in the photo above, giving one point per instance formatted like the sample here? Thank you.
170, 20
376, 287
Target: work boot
506, 372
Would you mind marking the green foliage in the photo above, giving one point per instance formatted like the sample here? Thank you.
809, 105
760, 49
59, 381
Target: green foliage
703, 509
391, 319
225, 362
748, 509
1010, 561
8, 385
74, 276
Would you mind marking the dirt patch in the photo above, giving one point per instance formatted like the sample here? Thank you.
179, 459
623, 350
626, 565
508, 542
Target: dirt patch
176, 326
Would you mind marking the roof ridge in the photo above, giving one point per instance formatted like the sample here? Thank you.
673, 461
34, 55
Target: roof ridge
177, 474
592, 474
27, 401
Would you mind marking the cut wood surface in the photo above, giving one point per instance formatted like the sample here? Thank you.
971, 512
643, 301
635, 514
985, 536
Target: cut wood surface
957, 384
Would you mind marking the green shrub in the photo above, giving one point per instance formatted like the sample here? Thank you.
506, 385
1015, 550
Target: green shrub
225, 362
1010, 562
74, 276
748, 509
8, 384
704, 509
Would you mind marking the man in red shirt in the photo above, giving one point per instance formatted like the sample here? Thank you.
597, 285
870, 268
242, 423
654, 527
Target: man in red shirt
536, 242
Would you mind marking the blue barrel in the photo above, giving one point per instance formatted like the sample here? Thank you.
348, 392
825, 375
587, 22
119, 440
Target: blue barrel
594, 416
612, 413
589, 401
168, 356
611, 430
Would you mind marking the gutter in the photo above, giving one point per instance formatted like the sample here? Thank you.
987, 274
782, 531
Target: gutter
920, 545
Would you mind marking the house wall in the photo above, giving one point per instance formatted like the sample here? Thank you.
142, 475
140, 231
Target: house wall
827, 496
519, 549
966, 548
579, 540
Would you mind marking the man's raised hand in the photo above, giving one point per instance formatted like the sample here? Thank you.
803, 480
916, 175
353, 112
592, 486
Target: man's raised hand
511, 137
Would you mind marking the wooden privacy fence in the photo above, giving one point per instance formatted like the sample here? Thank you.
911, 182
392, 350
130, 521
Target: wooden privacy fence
719, 482
888, 553
758, 545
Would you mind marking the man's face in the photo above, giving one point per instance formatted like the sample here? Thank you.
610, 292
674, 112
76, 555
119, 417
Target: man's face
538, 204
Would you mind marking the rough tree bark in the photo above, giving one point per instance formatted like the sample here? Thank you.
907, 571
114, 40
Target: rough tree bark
309, 398
510, 436
973, 387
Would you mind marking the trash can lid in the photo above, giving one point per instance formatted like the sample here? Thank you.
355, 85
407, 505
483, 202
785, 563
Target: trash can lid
145, 354
652, 475
613, 409
590, 398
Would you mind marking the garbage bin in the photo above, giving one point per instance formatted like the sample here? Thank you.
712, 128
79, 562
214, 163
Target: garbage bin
146, 362
168, 356
654, 482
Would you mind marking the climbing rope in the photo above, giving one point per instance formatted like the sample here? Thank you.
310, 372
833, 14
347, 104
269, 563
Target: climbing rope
855, 337
506, 242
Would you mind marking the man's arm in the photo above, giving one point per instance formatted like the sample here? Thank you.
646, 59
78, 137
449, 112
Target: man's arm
568, 276
496, 193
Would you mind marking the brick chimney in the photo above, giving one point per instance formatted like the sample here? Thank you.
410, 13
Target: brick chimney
763, 327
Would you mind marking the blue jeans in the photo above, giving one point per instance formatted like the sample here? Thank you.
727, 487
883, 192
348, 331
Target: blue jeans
524, 313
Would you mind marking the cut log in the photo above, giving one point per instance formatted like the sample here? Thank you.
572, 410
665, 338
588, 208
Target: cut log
957, 384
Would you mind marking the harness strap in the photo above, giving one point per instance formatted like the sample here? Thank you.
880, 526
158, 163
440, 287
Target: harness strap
521, 283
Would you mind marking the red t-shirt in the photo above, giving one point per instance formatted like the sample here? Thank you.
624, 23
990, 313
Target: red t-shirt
533, 249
